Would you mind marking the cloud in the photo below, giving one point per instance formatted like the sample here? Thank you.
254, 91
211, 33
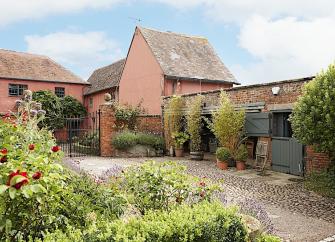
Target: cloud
83, 52
18, 10
286, 48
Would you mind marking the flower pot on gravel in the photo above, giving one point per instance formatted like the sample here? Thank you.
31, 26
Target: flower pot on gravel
240, 165
179, 152
197, 155
223, 165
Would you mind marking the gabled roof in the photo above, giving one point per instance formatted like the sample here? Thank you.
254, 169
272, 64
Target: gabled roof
105, 77
186, 57
26, 66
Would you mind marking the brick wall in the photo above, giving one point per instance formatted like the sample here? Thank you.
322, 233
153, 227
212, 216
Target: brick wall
150, 124
289, 92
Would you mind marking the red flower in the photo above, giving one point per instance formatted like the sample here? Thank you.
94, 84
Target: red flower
37, 175
3, 159
4, 151
55, 148
18, 173
7, 115
202, 183
31, 147
202, 194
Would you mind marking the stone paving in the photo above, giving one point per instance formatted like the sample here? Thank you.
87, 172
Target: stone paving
297, 214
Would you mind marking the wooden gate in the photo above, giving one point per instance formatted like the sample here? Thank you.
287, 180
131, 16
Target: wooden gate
287, 155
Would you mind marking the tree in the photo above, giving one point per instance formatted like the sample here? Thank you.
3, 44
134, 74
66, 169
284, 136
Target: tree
227, 124
53, 107
313, 117
194, 123
72, 107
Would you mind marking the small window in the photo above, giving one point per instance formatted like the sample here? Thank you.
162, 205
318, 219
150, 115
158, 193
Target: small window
16, 89
60, 91
91, 102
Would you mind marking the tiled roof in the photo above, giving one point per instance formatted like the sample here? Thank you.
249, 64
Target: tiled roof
189, 57
105, 77
20, 65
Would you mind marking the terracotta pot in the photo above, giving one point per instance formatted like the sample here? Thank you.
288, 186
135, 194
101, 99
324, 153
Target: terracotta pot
240, 165
197, 155
179, 152
223, 165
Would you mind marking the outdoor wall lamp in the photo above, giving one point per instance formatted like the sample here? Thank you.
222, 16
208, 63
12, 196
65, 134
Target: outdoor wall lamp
275, 90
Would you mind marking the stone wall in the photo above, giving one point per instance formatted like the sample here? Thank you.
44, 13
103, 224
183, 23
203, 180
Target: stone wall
289, 92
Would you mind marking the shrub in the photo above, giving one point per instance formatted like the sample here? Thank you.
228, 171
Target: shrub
202, 222
124, 140
89, 138
173, 117
128, 139
194, 123
322, 182
126, 116
180, 138
71, 107
268, 238
313, 117
241, 153
227, 124
162, 186
223, 154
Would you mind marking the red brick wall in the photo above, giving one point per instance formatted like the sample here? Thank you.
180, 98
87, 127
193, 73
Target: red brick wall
150, 124
107, 129
315, 161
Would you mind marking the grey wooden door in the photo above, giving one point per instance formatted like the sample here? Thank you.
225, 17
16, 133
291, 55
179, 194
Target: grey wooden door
287, 155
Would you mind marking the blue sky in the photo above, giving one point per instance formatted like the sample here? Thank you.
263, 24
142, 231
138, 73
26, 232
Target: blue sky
258, 41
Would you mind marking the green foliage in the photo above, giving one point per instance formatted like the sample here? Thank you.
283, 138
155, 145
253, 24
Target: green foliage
53, 107
241, 153
194, 123
201, 222
173, 116
128, 139
72, 107
180, 138
124, 140
57, 108
223, 154
89, 138
227, 124
268, 238
322, 182
313, 117
164, 185
126, 116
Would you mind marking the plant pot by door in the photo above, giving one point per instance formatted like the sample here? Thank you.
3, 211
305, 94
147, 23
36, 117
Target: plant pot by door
197, 155
179, 152
240, 165
223, 165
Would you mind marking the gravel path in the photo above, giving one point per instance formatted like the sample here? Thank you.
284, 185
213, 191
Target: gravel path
297, 214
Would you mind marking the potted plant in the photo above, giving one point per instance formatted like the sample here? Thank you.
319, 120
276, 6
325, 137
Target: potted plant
179, 139
194, 120
222, 158
241, 157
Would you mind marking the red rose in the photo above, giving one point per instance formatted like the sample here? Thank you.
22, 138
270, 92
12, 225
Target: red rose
18, 173
4, 151
31, 147
37, 175
202, 183
55, 148
3, 159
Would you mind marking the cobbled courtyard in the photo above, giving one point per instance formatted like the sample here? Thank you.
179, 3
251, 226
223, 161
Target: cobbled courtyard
296, 214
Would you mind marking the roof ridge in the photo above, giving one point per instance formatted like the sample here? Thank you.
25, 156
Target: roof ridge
173, 33
24, 53
116, 62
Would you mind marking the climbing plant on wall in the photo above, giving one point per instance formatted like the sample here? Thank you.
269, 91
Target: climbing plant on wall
194, 123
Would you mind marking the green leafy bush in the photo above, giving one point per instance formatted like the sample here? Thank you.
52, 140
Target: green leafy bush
241, 153
164, 185
202, 222
71, 107
313, 117
127, 139
268, 238
223, 154
322, 182
180, 138
126, 116
124, 140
